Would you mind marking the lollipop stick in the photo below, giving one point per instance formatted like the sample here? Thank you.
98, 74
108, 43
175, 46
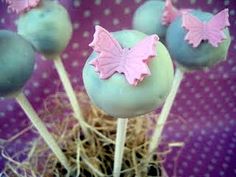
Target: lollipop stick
155, 139
73, 100
69, 90
119, 147
36, 121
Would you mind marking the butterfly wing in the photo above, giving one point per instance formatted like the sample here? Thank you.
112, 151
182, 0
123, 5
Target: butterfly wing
21, 5
195, 29
110, 51
136, 65
215, 27
170, 13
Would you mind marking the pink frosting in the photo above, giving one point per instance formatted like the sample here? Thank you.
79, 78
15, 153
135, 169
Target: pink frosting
112, 58
19, 6
211, 31
170, 13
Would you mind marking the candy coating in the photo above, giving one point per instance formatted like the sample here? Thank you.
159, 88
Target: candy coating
148, 18
47, 27
120, 99
16, 62
203, 56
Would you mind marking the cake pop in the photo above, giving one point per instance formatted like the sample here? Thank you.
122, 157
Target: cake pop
196, 40
46, 24
154, 17
47, 27
17, 61
136, 95
148, 18
128, 75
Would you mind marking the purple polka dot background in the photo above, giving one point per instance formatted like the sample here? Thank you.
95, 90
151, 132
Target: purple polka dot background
206, 101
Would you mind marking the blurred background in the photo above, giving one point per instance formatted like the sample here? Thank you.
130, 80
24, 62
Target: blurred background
204, 112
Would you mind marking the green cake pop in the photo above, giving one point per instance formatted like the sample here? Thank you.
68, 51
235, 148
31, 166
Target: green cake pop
196, 40
16, 62
128, 75
120, 99
47, 27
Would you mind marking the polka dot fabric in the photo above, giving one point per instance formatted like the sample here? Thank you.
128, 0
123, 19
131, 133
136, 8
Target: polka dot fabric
206, 101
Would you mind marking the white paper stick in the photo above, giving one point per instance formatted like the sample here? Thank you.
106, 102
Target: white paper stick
155, 139
69, 90
73, 100
37, 122
119, 146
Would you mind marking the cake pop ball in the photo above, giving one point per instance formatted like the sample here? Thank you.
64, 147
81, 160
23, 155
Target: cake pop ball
115, 95
199, 49
47, 27
16, 62
196, 40
148, 18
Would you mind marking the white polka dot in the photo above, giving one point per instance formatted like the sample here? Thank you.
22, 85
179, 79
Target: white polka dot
46, 91
75, 64
98, 2
107, 11
185, 164
232, 12
36, 84
199, 162
86, 34
215, 10
35, 66
96, 22
65, 56
45, 75
75, 45
203, 156
126, 10
137, 1
209, 1
196, 170
226, 2
118, 1
27, 92
2, 20
37, 99
222, 173
75, 80
87, 13
85, 53
2, 114
10, 107
116, 21
76, 25
76, 3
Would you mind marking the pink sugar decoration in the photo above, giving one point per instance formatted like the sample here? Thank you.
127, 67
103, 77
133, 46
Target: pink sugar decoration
170, 13
211, 31
19, 6
112, 58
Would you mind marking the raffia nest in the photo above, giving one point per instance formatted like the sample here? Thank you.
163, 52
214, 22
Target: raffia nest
96, 150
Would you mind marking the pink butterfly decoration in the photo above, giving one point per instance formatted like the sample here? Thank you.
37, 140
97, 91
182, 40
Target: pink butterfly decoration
132, 62
19, 6
211, 31
170, 13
